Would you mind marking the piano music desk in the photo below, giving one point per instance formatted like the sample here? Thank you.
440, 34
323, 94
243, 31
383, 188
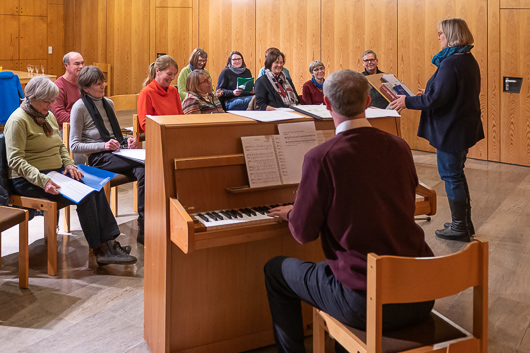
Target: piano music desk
204, 290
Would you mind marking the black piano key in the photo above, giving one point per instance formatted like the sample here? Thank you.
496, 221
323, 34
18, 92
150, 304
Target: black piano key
203, 217
213, 216
245, 211
218, 215
252, 213
226, 214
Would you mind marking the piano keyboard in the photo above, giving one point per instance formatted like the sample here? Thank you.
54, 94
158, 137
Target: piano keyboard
243, 217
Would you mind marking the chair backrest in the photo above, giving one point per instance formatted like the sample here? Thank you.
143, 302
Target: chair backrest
107, 70
124, 101
394, 279
78, 158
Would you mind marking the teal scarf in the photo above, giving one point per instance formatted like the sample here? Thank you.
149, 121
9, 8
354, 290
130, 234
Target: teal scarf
447, 52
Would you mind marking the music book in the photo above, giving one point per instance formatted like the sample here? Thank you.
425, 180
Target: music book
277, 159
389, 86
246, 84
317, 111
93, 180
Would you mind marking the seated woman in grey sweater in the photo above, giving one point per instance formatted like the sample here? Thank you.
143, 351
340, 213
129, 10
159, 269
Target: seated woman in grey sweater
95, 132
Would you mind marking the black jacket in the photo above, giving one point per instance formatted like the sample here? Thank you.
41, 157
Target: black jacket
267, 95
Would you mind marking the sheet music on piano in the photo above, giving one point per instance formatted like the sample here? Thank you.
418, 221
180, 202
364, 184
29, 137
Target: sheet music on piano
277, 159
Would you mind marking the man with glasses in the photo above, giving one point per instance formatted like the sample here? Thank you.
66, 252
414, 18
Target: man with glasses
370, 68
68, 90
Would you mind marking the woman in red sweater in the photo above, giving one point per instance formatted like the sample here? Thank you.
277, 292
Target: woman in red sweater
159, 97
312, 89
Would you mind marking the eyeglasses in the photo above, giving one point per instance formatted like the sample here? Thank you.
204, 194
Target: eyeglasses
320, 68
439, 34
201, 60
206, 80
237, 59
50, 101
370, 60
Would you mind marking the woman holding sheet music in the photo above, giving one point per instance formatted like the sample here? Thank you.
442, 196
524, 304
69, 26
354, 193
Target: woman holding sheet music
96, 133
34, 148
450, 119
274, 89
233, 97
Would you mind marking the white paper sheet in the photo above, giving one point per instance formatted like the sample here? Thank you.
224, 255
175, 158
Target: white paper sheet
136, 154
267, 116
261, 161
70, 188
297, 139
381, 113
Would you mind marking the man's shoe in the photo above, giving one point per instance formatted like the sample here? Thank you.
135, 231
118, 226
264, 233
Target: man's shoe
111, 253
126, 249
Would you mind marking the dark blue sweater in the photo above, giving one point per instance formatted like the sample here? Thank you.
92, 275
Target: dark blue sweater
450, 117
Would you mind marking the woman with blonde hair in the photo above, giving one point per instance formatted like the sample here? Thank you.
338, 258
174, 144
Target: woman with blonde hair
159, 97
198, 60
200, 99
450, 119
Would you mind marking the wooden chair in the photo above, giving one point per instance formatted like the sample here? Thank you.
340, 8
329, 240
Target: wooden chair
107, 70
393, 279
10, 217
49, 209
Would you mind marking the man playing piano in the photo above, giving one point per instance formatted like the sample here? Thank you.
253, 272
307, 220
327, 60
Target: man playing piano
358, 193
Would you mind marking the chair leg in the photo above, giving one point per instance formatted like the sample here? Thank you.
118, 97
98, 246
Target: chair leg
23, 254
319, 334
66, 219
135, 196
50, 227
114, 201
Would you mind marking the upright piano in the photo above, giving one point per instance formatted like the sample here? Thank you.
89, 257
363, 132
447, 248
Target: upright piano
204, 286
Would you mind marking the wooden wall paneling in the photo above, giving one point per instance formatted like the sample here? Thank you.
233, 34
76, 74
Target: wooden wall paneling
9, 7
224, 26
173, 34
70, 26
9, 64
380, 34
90, 26
9, 37
415, 43
34, 8
128, 44
515, 4
56, 34
293, 26
494, 81
343, 35
173, 3
515, 108
33, 37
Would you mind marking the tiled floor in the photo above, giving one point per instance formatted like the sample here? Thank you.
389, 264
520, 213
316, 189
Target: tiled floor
86, 308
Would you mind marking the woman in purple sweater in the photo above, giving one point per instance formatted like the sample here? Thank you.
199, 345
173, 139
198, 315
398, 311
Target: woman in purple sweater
450, 119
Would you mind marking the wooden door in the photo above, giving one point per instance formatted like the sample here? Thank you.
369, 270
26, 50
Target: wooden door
33, 7
9, 7
174, 26
514, 129
9, 37
33, 37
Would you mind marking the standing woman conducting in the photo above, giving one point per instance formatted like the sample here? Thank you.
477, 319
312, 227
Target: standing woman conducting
450, 119
159, 97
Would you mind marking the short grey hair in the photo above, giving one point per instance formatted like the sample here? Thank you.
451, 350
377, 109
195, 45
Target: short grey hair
66, 57
89, 76
347, 92
369, 51
40, 88
315, 64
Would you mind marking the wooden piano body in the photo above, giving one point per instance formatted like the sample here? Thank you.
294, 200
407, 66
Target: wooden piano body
204, 290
